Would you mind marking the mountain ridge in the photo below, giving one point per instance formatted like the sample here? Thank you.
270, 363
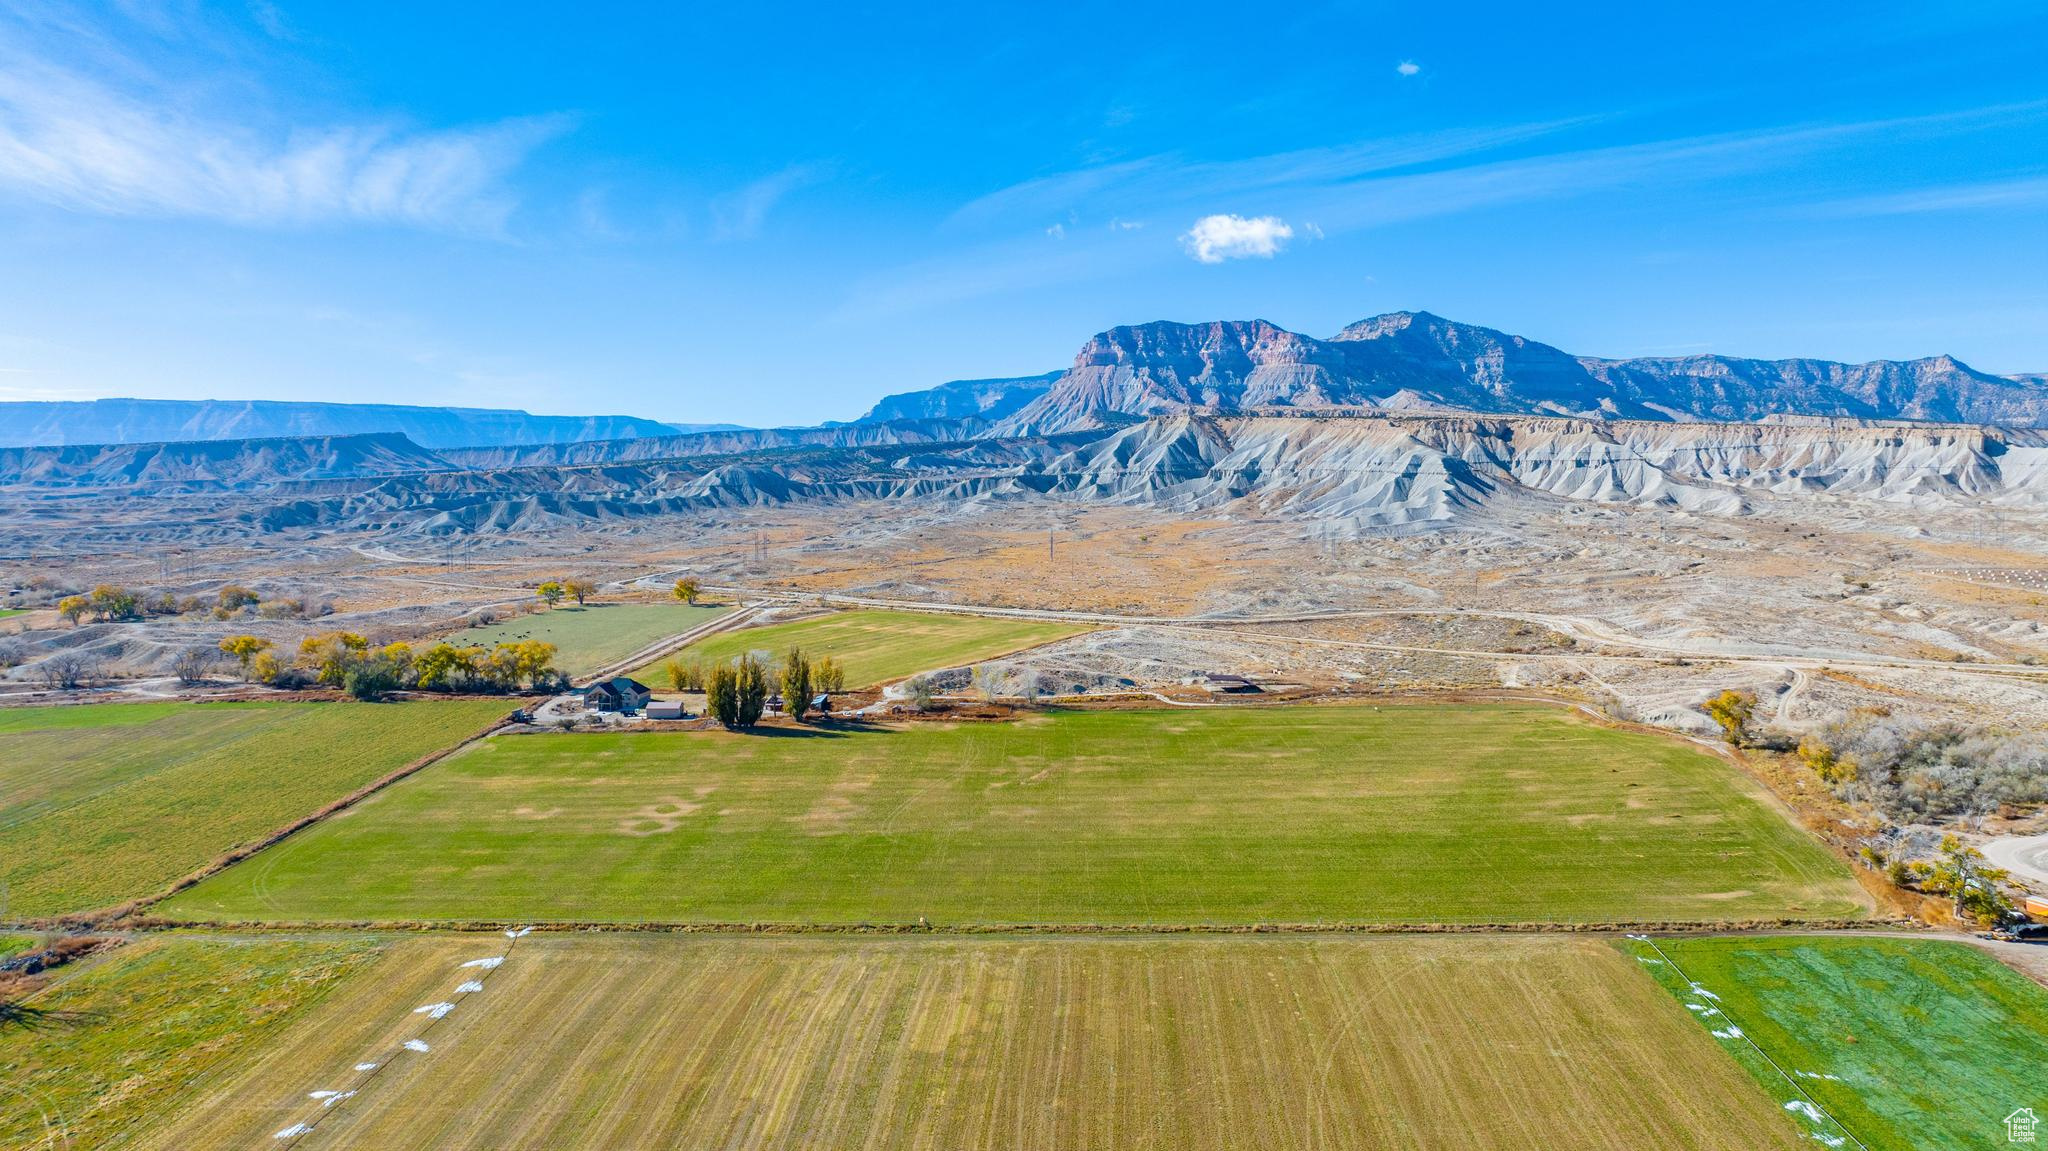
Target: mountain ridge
1403, 361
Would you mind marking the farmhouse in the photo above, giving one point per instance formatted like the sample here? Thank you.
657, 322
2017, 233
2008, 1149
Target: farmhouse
617, 694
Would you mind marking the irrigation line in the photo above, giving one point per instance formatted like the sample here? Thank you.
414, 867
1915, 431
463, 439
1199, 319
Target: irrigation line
363, 1078
1765, 1055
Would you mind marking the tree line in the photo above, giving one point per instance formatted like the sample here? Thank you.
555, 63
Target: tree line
736, 691
108, 603
346, 660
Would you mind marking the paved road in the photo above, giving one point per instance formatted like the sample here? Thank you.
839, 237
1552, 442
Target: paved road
2025, 856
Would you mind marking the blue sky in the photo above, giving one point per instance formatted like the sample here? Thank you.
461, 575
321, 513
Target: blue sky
776, 213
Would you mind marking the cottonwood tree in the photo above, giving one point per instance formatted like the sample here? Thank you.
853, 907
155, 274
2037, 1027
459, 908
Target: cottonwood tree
828, 675
579, 590
372, 679
111, 602
1972, 887
551, 592
192, 665
445, 667
1732, 710
68, 670
244, 649
687, 590
331, 654
73, 606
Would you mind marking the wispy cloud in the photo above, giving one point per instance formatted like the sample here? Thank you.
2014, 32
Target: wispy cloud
1973, 197
1133, 188
1348, 189
1217, 238
740, 214
1408, 68
88, 146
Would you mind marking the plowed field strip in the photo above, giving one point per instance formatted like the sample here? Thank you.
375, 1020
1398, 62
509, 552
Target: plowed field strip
943, 1044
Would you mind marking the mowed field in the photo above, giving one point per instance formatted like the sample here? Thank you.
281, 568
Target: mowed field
589, 637
878, 646
1325, 815
618, 1041
103, 803
1908, 1043
113, 1046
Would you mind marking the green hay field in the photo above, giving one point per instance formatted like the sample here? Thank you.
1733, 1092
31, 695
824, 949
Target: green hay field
589, 637
877, 646
104, 803
1907, 1043
942, 1044
116, 1044
1413, 814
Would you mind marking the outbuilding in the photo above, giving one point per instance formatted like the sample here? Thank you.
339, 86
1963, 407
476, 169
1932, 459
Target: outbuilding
664, 709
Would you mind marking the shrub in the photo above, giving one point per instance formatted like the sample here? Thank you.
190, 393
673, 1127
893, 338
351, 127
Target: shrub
1910, 773
917, 693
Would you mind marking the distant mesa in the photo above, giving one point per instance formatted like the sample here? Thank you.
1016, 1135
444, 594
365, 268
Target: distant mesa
963, 399
127, 421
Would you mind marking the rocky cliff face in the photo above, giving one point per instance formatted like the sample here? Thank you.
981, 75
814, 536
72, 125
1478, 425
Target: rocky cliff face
1413, 361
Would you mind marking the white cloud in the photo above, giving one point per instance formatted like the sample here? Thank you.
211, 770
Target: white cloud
1215, 239
84, 146
1057, 231
1408, 68
739, 216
